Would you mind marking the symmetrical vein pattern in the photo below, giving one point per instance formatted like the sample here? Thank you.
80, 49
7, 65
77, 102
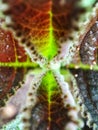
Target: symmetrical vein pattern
56, 43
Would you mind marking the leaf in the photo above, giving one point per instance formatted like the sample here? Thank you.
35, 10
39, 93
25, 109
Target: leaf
46, 107
89, 45
42, 23
46, 28
87, 82
10, 77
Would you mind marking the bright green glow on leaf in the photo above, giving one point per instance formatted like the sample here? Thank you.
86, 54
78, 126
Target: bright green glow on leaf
83, 66
51, 45
49, 85
46, 42
49, 88
19, 64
